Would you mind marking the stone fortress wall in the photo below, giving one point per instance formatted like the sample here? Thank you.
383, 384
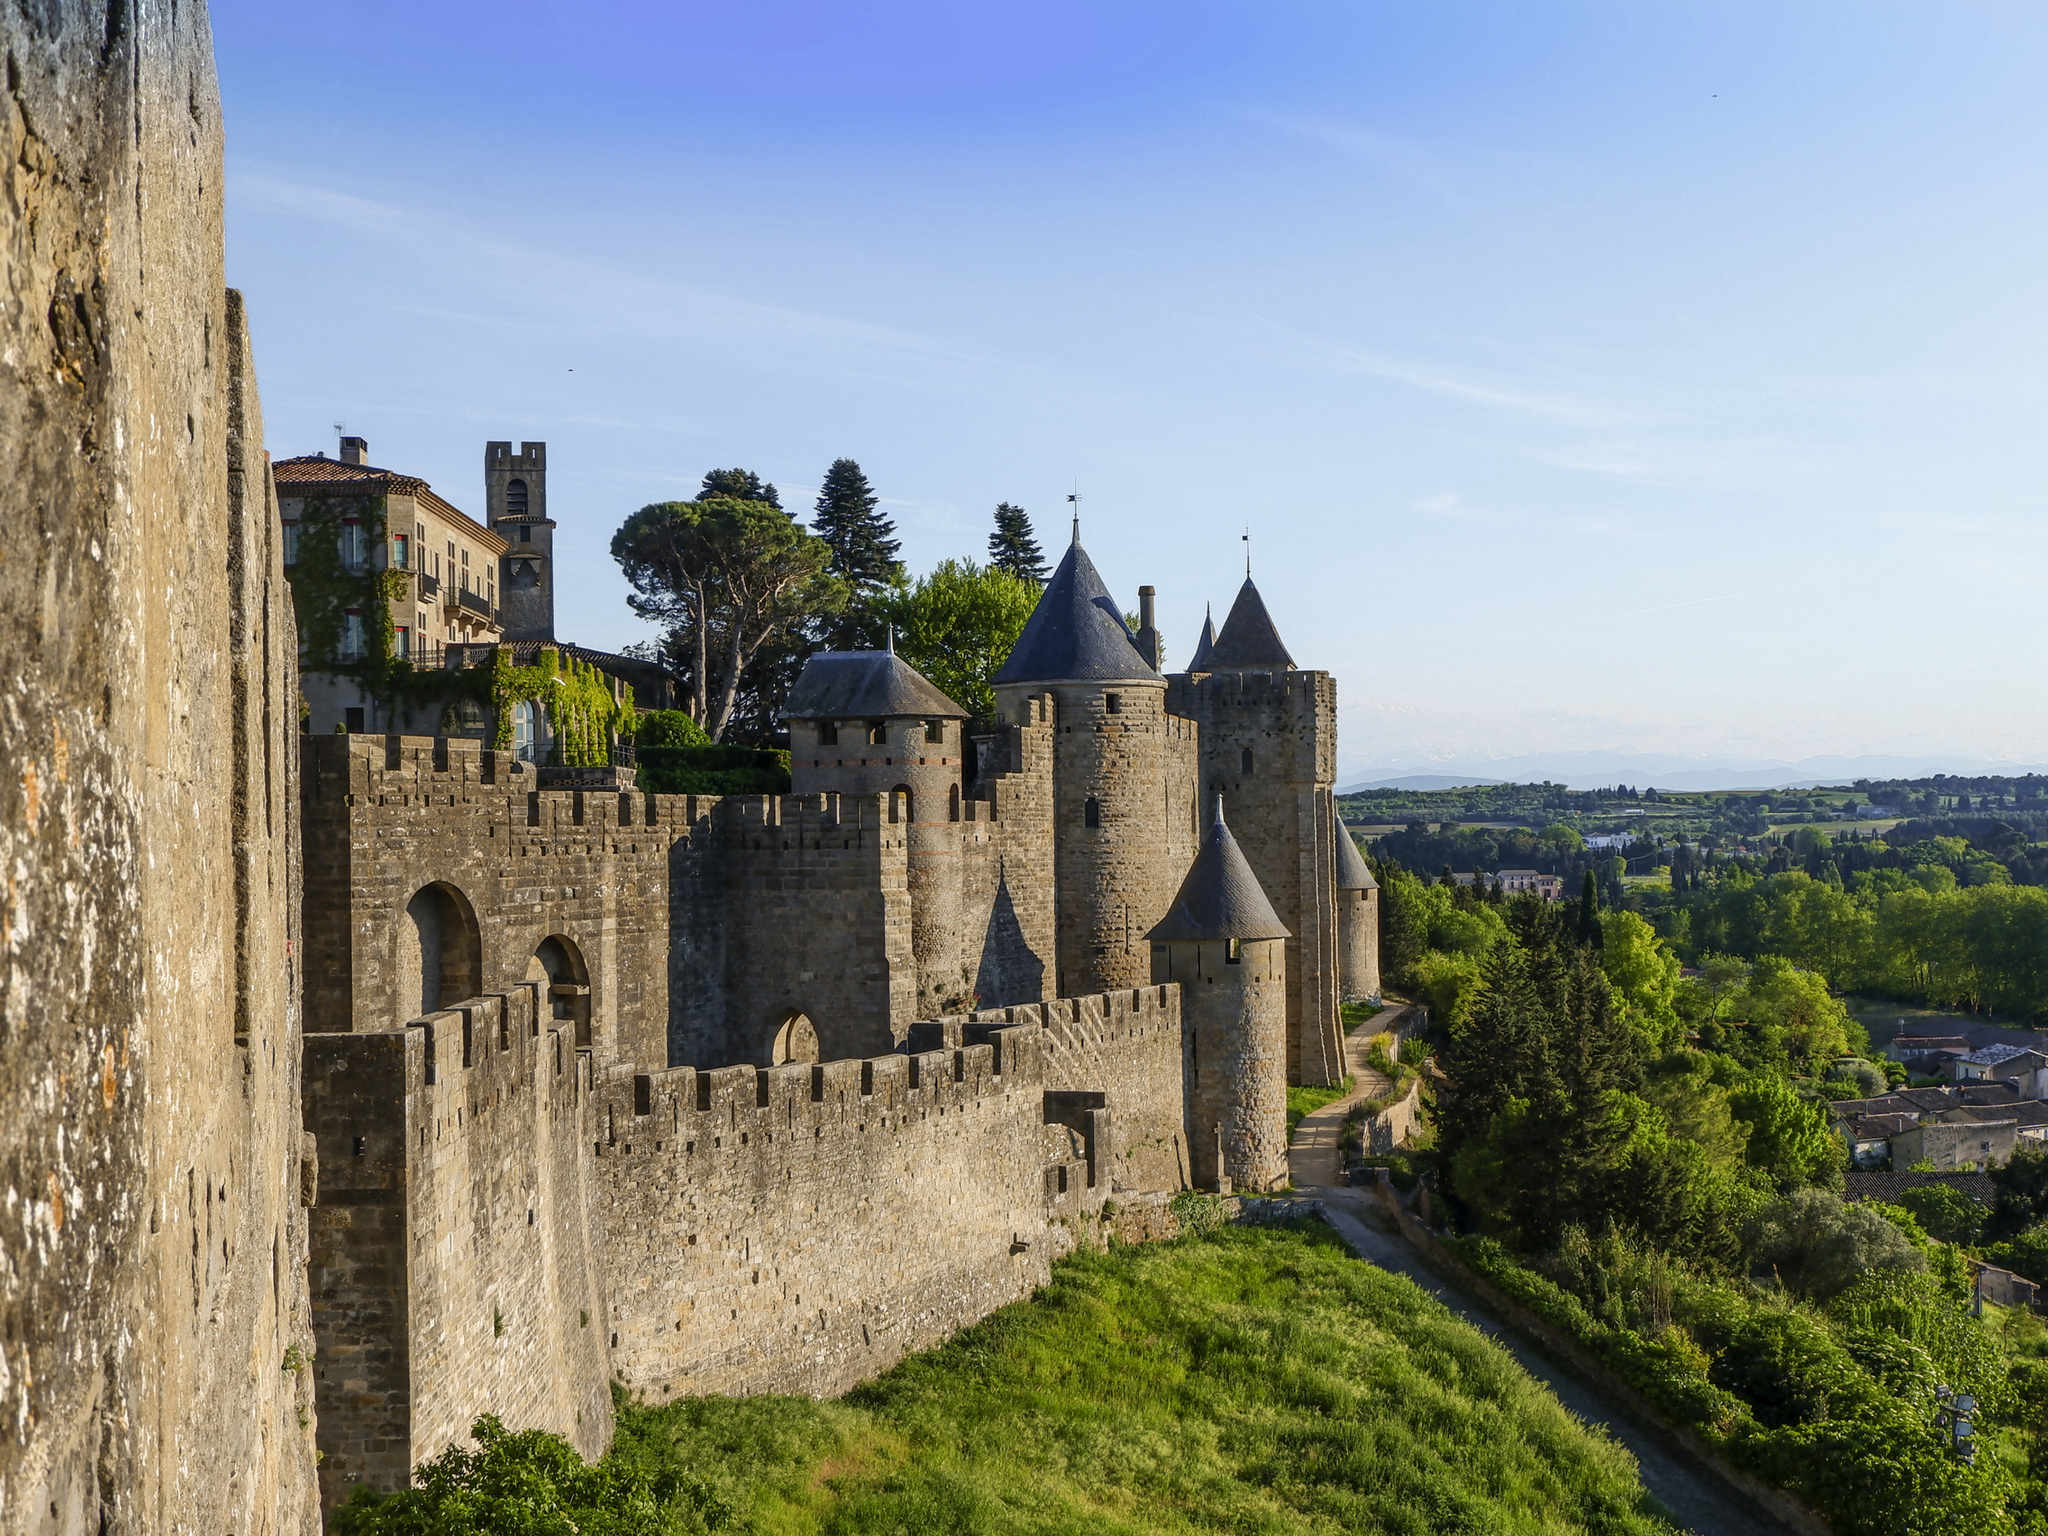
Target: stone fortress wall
523, 1156
152, 1188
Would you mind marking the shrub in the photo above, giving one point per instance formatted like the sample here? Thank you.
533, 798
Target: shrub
670, 728
534, 1482
1945, 1213
713, 770
1884, 1472
1790, 1370
1817, 1244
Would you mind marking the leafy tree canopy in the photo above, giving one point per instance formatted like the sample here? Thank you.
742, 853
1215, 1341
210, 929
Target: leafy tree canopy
726, 578
957, 626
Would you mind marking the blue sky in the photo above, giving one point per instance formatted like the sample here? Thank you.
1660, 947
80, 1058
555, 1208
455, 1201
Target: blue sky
1591, 376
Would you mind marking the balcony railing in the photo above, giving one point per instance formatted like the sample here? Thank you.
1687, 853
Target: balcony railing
429, 585
462, 597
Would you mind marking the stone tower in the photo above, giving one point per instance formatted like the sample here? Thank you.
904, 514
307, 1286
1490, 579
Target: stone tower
1123, 793
1269, 747
1227, 948
1358, 923
869, 723
516, 507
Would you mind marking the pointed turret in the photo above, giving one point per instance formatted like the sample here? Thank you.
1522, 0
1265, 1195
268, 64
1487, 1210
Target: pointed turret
1205, 648
1249, 642
1353, 873
1226, 948
1358, 923
1076, 633
1220, 898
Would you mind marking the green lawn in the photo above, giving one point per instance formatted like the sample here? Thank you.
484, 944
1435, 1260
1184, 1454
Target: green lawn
1254, 1380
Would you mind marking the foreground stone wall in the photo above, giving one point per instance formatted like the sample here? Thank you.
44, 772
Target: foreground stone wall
501, 1230
802, 1228
152, 1237
451, 1271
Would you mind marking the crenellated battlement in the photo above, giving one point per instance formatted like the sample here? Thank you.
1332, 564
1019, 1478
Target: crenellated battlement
683, 1112
1251, 690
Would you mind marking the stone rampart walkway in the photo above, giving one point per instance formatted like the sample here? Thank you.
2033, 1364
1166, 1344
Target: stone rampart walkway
1314, 1159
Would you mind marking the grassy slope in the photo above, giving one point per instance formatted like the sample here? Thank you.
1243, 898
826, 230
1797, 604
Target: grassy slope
1249, 1381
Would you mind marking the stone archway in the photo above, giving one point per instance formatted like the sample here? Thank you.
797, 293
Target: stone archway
440, 953
796, 1039
564, 980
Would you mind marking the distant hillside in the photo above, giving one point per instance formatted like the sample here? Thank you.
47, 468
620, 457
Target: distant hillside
1417, 781
1594, 770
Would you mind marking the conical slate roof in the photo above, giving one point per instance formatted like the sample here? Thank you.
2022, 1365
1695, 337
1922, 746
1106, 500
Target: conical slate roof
1249, 640
1220, 898
1353, 873
1076, 633
1205, 648
844, 685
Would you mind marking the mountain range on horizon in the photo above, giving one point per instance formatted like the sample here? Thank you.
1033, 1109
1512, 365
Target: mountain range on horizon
1598, 769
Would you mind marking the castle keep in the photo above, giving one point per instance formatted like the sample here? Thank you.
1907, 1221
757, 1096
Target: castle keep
354, 1085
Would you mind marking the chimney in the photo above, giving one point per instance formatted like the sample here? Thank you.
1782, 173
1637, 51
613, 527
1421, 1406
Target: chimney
1148, 628
355, 450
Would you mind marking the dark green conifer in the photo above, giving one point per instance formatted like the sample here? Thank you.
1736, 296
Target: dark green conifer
864, 546
741, 484
1589, 909
863, 541
1013, 547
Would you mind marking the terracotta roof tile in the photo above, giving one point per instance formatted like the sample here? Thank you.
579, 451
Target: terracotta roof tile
315, 472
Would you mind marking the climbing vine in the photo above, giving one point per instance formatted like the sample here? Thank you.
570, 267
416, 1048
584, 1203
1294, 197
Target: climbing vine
585, 717
326, 588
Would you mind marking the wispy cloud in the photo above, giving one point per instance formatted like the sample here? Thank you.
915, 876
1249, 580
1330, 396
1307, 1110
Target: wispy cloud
632, 301
1521, 397
1400, 159
1450, 508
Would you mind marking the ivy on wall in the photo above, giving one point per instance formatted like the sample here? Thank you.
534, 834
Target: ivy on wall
325, 587
577, 698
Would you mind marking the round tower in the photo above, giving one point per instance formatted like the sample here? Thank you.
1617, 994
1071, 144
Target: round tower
1358, 923
1112, 780
1223, 943
869, 723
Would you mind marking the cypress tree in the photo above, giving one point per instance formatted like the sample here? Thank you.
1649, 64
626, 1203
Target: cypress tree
1013, 547
863, 541
1589, 909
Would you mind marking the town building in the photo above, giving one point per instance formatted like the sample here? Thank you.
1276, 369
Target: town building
404, 600
382, 569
